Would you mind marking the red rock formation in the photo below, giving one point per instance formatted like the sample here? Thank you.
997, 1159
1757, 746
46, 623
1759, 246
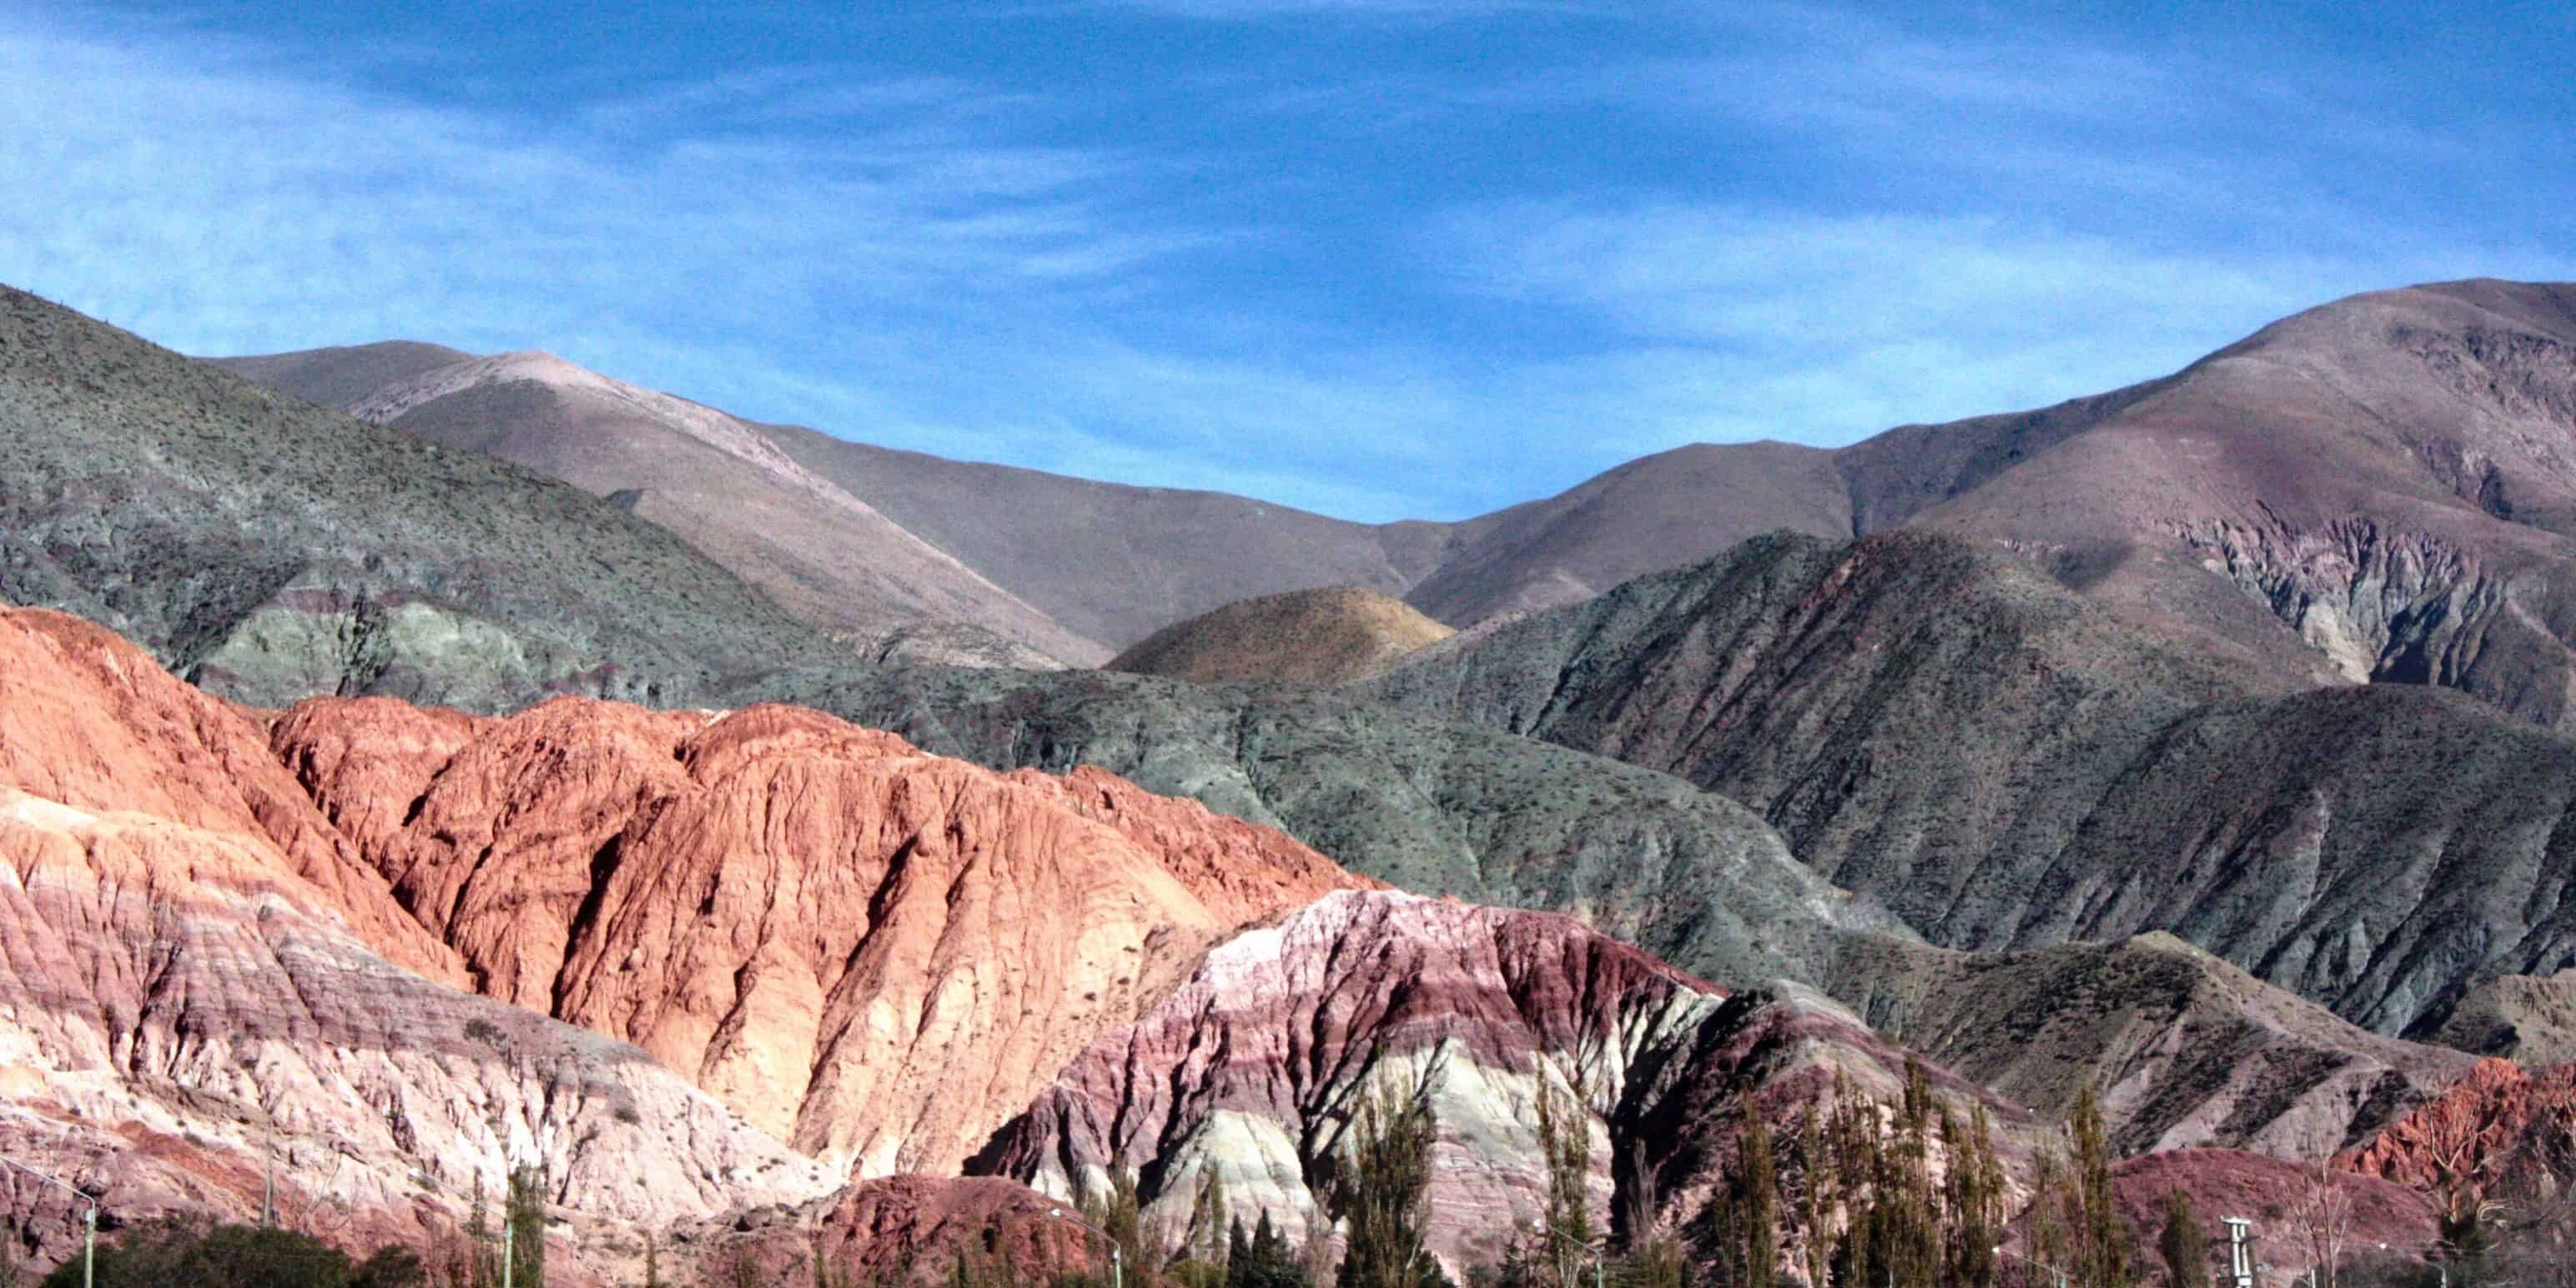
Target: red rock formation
185, 969
91, 722
876, 954
2499, 1129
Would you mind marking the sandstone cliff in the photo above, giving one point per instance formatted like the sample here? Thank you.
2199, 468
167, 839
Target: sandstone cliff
2497, 1132
1429, 806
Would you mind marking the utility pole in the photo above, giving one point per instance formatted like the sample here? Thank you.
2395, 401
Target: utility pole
2240, 1251
89, 1218
509, 1228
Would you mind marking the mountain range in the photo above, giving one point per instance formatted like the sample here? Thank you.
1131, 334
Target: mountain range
2373, 489
504, 763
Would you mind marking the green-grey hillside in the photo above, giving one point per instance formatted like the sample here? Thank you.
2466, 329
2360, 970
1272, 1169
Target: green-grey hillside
1431, 807
2188, 1049
267, 548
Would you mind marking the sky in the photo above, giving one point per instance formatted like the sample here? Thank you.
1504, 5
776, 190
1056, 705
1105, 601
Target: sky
1390, 259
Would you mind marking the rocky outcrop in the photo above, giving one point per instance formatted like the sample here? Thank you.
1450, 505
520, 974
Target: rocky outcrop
190, 972
271, 549
875, 954
2186, 1049
2406, 606
1328, 636
1253, 1069
2503, 1130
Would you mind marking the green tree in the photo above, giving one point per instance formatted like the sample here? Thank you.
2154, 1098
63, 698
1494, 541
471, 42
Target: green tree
1377, 1187
1757, 1198
1205, 1238
1821, 1200
1565, 1152
2184, 1244
526, 1215
1120, 1214
1972, 1201
161, 1253
2044, 1230
2102, 1244
1264, 1260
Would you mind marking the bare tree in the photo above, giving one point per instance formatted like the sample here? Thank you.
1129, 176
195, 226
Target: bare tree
2322, 1220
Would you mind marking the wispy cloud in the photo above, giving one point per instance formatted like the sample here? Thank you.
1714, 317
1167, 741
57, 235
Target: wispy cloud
1739, 323
1362, 276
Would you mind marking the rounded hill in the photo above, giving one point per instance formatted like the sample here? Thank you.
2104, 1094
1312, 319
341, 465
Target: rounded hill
1327, 636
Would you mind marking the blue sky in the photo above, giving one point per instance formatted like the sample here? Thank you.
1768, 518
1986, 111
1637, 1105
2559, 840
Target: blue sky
1417, 258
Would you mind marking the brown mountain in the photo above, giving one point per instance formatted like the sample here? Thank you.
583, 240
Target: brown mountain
2376, 488
1113, 561
721, 484
1328, 636
2388, 475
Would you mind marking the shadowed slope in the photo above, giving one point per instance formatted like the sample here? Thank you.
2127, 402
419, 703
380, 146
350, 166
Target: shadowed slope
2007, 764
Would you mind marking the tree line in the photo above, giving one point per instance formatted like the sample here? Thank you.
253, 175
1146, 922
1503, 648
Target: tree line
1861, 1193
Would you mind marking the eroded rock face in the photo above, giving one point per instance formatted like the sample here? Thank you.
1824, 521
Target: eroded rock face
1431, 807
875, 954
2497, 1131
1254, 1067
186, 964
